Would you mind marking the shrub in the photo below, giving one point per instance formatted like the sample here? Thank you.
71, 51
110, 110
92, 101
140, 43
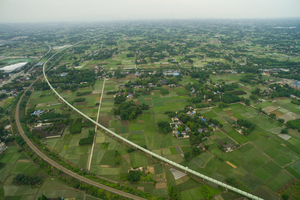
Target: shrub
83, 93
79, 100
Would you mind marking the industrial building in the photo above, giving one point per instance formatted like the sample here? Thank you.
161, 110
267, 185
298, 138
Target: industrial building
12, 68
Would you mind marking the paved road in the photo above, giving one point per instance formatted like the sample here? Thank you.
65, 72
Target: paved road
95, 136
65, 170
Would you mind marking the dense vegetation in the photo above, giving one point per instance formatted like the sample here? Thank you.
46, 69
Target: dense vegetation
78, 125
127, 110
119, 99
164, 126
249, 126
295, 124
22, 179
173, 193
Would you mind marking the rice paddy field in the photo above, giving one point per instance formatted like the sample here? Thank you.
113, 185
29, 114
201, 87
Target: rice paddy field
18, 163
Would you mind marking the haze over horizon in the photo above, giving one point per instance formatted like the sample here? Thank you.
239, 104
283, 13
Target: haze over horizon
20, 11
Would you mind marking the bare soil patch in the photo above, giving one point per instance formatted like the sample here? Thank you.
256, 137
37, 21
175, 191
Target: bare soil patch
232, 165
245, 88
151, 169
81, 103
270, 109
281, 98
213, 137
185, 178
160, 185
125, 123
140, 121
24, 160
141, 188
126, 157
277, 113
289, 116
40, 105
234, 118
104, 120
229, 112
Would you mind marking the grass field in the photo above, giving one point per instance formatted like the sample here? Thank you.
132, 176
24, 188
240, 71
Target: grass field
22, 165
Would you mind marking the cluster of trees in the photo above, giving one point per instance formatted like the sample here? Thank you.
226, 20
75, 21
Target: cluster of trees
119, 74
130, 55
196, 99
294, 124
252, 79
39, 85
83, 93
127, 110
164, 126
78, 125
1, 165
22, 179
134, 176
173, 193
284, 91
297, 102
89, 139
163, 91
53, 115
119, 99
223, 105
228, 97
72, 80
245, 123
52, 129
2, 96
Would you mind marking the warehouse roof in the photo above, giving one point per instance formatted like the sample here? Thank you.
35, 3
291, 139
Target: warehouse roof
11, 68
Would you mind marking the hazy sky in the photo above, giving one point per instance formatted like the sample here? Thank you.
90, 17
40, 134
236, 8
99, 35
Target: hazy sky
105, 10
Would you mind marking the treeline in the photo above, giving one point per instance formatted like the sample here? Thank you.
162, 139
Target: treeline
83, 93
53, 115
127, 110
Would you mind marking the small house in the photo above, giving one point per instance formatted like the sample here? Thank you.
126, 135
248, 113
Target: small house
229, 147
201, 147
163, 82
3, 147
